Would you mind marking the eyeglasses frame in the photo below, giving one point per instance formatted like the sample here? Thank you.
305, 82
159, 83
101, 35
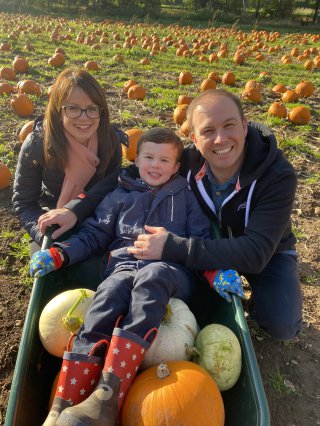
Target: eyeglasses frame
64, 107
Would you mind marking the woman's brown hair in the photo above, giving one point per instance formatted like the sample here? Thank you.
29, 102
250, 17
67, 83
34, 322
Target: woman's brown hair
55, 142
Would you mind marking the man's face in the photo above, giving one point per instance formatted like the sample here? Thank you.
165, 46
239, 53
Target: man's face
219, 134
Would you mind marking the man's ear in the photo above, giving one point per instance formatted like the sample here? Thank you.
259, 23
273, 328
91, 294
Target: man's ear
193, 137
245, 125
136, 161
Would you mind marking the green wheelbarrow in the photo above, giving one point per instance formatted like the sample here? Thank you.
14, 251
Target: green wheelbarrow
35, 369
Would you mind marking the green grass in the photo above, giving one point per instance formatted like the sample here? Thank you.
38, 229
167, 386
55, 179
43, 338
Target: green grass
276, 380
160, 78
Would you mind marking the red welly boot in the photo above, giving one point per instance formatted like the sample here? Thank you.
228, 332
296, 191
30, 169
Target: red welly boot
123, 360
78, 377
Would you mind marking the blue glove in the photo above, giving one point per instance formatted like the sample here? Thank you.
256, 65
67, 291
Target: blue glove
225, 282
46, 261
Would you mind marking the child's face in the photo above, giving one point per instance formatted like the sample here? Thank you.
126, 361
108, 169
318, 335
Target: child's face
157, 162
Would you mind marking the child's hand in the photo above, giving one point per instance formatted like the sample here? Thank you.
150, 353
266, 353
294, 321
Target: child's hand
225, 282
46, 261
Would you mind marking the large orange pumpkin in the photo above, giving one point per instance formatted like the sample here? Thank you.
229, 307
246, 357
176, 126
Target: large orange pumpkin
29, 86
185, 77
20, 64
137, 92
180, 113
188, 396
25, 130
130, 152
22, 105
299, 115
5, 176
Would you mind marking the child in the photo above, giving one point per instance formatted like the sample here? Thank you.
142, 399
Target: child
137, 290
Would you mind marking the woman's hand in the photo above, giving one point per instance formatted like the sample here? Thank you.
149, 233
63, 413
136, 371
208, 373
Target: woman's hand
149, 246
64, 218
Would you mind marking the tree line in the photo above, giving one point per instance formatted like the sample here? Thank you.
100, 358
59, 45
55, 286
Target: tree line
279, 9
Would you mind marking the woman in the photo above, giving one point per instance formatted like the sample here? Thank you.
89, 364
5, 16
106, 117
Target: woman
69, 150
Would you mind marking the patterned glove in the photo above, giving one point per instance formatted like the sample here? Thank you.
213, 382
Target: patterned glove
225, 282
43, 262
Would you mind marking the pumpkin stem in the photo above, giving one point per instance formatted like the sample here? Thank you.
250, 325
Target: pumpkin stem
163, 371
192, 351
167, 316
74, 323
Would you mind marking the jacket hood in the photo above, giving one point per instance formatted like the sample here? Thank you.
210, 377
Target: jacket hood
127, 182
261, 149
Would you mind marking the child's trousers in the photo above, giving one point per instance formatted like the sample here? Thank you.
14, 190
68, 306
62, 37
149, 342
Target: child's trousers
137, 290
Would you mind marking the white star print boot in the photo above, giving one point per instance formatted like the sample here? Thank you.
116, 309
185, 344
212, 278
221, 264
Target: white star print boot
123, 360
78, 377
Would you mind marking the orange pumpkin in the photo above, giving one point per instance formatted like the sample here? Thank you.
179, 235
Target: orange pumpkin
130, 152
185, 129
29, 86
128, 84
22, 105
207, 83
279, 88
25, 130
91, 66
184, 99
229, 78
289, 96
299, 115
304, 89
185, 77
144, 61
277, 109
252, 94
20, 64
6, 88
8, 73
5, 176
136, 92
187, 396
180, 113
56, 60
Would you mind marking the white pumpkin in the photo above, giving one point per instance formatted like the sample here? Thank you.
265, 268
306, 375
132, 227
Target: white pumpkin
62, 317
217, 350
177, 331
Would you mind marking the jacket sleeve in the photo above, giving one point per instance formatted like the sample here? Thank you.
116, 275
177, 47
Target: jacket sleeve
249, 253
27, 186
85, 204
95, 233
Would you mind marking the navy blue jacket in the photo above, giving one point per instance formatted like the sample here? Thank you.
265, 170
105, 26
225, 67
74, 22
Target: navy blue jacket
37, 187
254, 220
122, 214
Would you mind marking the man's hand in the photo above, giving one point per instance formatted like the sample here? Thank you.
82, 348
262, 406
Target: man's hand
45, 261
225, 282
149, 246
64, 218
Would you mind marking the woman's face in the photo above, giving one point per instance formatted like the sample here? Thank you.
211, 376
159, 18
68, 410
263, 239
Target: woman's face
82, 127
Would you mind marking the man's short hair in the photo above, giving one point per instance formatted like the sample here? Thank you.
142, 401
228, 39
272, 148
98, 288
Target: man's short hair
211, 94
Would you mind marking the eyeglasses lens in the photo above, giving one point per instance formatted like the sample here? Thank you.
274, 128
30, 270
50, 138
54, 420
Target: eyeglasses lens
75, 112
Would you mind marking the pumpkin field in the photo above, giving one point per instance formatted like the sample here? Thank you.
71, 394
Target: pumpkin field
149, 72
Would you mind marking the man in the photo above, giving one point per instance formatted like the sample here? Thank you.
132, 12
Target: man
244, 183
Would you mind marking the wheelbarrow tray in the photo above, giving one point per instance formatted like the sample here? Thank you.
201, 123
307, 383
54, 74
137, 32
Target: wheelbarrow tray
35, 369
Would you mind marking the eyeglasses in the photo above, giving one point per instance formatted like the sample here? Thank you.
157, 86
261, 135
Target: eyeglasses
75, 112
